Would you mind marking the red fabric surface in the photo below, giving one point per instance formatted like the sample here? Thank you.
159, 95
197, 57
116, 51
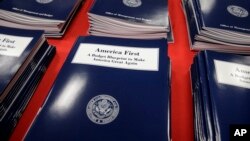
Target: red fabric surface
181, 58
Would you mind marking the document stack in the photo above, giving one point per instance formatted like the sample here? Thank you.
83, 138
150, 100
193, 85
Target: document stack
218, 25
221, 88
24, 57
130, 19
108, 89
52, 16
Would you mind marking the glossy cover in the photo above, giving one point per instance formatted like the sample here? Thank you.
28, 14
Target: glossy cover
140, 11
13, 93
190, 21
28, 86
48, 9
205, 97
228, 77
11, 57
226, 14
139, 105
195, 90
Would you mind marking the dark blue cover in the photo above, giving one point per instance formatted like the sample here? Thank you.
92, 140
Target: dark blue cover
13, 93
190, 20
142, 97
202, 101
226, 14
197, 101
28, 86
195, 7
13, 63
205, 97
230, 103
152, 12
49, 9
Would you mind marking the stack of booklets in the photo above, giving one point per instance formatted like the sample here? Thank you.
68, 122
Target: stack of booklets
24, 57
130, 19
218, 25
52, 16
108, 89
221, 88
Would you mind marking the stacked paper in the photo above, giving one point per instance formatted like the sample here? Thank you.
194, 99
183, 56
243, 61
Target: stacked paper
130, 19
52, 16
221, 88
24, 57
218, 25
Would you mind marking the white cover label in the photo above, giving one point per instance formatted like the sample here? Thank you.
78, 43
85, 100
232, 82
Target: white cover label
118, 56
13, 45
232, 73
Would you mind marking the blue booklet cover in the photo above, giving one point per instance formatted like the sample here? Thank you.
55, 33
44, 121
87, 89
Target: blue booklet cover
203, 102
197, 102
15, 47
226, 14
139, 11
34, 74
48, 9
17, 82
228, 81
106, 91
191, 20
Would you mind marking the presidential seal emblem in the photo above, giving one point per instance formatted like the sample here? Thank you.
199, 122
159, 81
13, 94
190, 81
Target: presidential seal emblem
237, 11
102, 109
44, 1
132, 3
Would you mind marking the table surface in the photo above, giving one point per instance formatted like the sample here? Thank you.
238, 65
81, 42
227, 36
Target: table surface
181, 59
